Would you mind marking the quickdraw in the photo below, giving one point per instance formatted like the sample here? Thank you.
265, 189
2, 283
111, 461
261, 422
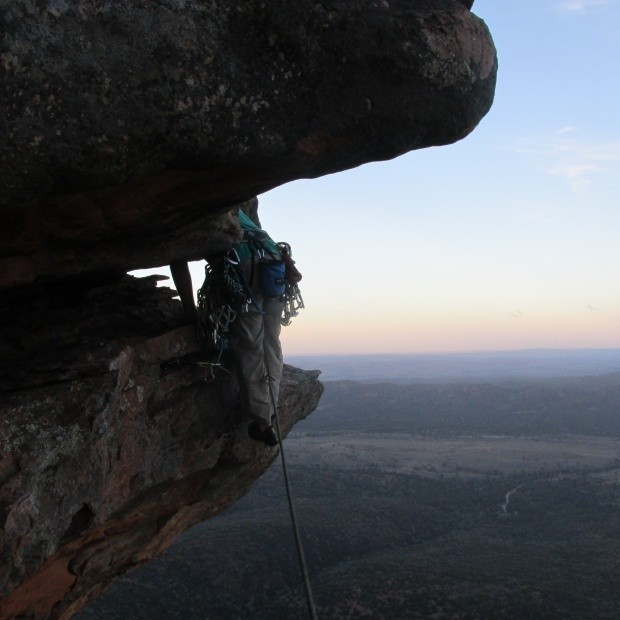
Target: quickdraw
293, 302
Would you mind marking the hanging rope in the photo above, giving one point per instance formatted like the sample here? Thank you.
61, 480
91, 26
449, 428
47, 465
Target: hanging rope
291, 508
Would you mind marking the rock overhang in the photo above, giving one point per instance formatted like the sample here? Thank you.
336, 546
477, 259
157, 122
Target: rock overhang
130, 124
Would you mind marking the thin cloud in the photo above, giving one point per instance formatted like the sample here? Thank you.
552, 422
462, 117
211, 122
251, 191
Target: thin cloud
580, 6
564, 154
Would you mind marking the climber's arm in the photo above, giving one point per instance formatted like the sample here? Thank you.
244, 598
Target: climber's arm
183, 283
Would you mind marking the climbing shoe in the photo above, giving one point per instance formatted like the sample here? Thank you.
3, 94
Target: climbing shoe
268, 436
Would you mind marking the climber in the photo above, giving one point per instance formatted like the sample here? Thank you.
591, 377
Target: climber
263, 271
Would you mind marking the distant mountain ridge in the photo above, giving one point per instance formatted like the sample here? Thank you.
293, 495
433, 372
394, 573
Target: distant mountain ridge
581, 406
476, 365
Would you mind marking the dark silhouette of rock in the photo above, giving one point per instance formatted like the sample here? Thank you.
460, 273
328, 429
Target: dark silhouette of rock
127, 125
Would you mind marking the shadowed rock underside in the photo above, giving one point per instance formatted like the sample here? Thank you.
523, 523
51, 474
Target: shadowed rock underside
130, 125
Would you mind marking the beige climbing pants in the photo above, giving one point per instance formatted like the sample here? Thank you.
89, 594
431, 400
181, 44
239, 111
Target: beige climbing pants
256, 342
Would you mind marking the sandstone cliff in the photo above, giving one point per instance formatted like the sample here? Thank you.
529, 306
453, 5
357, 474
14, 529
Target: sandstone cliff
129, 129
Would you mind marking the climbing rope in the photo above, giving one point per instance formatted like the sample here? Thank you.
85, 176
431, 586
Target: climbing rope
291, 507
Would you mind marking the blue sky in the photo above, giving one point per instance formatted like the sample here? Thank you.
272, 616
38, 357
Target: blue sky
505, 240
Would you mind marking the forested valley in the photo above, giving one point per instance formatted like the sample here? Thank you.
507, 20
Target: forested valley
468, 500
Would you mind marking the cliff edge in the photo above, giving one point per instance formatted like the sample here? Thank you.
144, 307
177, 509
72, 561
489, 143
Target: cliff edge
116, 440
129, 130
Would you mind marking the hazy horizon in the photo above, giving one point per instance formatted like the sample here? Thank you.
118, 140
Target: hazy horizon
463, 365
463, 352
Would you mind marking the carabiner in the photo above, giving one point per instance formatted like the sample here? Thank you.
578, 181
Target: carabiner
234, 259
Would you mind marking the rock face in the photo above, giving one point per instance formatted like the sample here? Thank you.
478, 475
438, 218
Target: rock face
157, 116
128, 131
114, 443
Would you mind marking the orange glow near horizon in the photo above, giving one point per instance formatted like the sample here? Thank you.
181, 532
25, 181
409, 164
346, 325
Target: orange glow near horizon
469, 323
308, 337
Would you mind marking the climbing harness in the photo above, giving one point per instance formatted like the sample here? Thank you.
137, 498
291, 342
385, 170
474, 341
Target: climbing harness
289, 496
226, 291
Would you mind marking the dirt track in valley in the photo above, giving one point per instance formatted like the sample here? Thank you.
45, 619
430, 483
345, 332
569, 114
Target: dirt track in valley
461, 456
